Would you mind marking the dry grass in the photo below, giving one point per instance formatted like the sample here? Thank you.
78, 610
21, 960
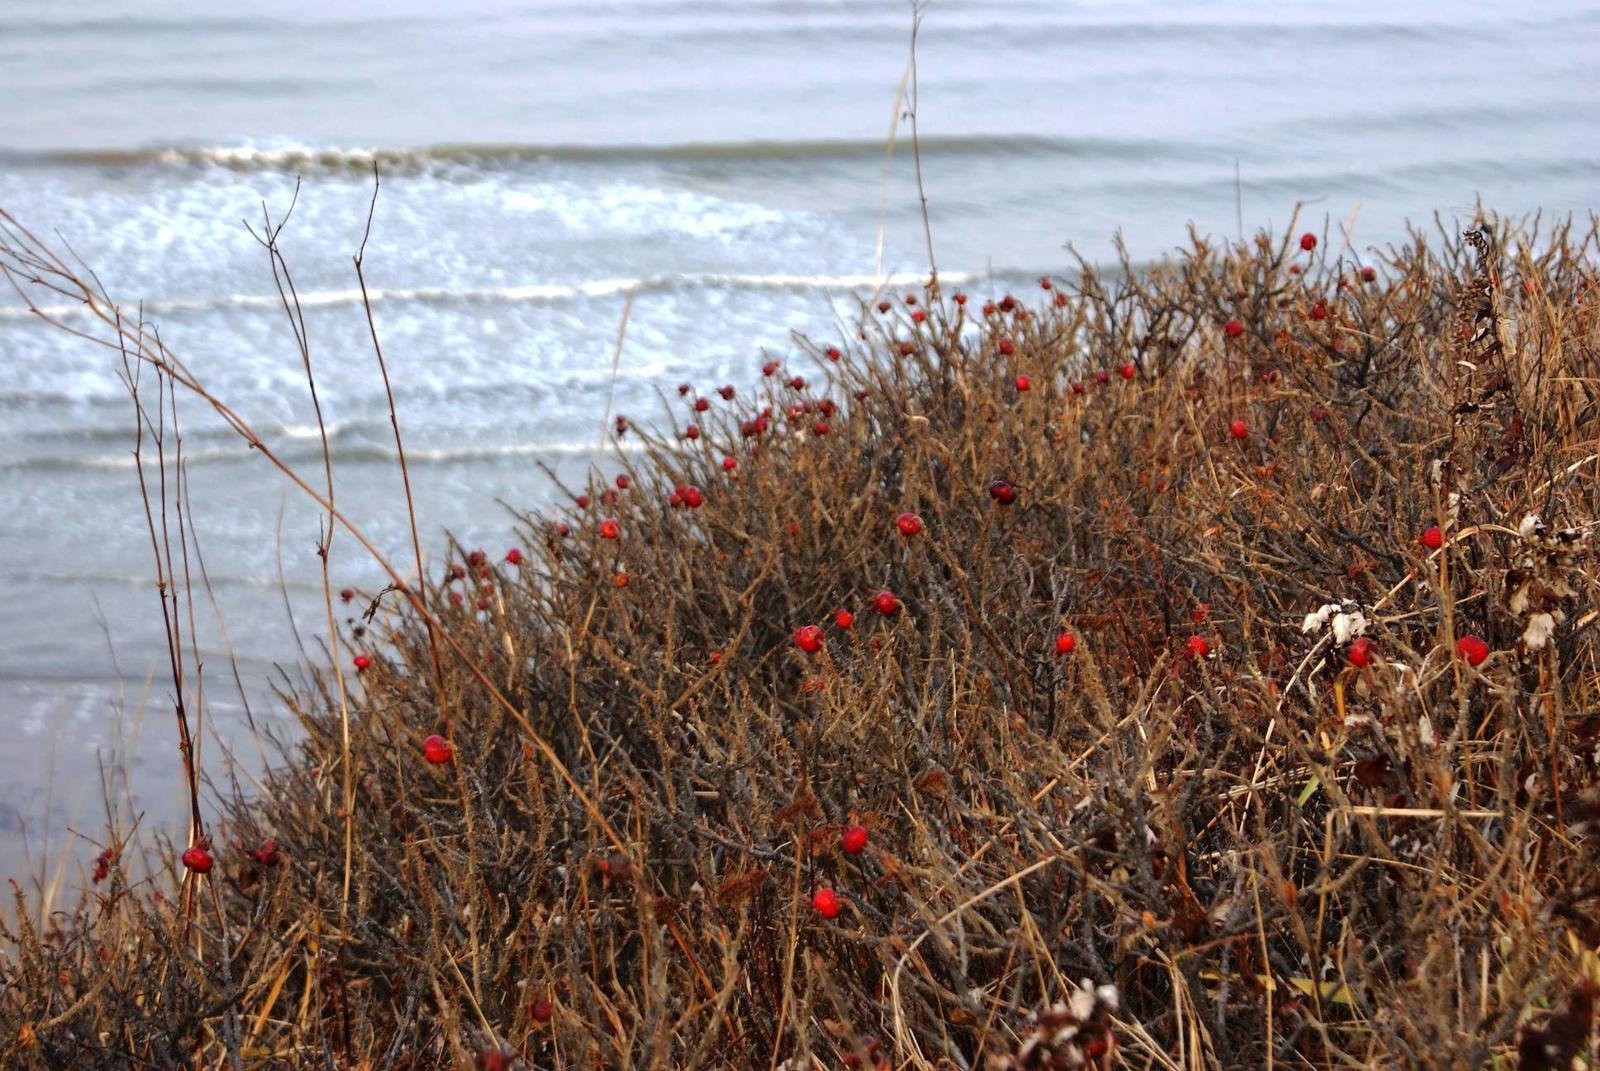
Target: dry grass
1276, 857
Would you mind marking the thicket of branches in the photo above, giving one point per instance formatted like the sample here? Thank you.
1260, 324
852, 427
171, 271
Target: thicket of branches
1220, 474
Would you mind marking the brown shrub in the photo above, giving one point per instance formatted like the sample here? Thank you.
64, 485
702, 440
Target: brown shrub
1269, 852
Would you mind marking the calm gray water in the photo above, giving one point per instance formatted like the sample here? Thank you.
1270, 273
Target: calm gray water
722, 160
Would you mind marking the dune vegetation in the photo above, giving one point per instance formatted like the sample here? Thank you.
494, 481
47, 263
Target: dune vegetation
1181, 666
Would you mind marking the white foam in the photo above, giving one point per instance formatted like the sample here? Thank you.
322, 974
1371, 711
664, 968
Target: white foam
238, 452
535, 293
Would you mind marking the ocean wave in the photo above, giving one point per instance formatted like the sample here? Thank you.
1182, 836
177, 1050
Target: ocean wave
313, 158
535, 293
217, 580
300, 453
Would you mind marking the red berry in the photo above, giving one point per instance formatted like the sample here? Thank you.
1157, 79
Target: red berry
726, 390
610, 529
1239, 430
1008, 303
1432, 537
729, 464
363, 661
197, 859
1044, 282
1201, 611
496, 1059
1078, 388
769, 368
911, 299
844, 619
885, 603
436, 749
514, 556
1007, 347
909, 524
1003, 492
693, 497
853, 840
1102, 377
1319, 311
988, 308
917, 316
624, 481
808, 638
819, 428
683, 388
1362, 652
960, 298
1308, 241
1473, 649
883, 306
1065, 643
1369, 274
702, 404
266, 853
832, 353
798, 383
1233, 328
1024, 383
346, 595
826, 901
1197, 646
1318, 413
1129, 370
583, 501
542, 1011
692, 432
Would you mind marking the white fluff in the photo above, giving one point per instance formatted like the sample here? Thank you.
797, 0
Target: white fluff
1540, 628
1346, 620
1318, 618
1081, 1001
1350, 624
